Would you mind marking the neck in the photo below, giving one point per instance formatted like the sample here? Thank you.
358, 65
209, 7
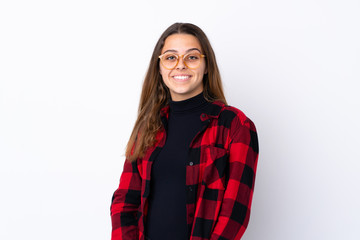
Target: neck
188, 105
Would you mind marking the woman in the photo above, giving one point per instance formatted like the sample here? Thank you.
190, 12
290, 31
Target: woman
191, 159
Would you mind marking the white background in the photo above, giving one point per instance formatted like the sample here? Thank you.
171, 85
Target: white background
70, 79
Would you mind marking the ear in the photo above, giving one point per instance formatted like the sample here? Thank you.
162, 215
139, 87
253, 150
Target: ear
205, 71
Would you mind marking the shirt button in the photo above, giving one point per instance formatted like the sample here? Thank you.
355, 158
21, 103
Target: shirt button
190, 189
191, 163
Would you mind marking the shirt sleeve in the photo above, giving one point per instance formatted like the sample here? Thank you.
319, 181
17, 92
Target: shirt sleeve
243, 155
125, 204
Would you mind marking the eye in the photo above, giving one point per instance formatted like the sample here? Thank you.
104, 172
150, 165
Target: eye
193, 57
170, 57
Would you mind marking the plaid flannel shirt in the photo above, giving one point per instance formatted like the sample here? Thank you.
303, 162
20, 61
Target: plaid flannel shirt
220, 177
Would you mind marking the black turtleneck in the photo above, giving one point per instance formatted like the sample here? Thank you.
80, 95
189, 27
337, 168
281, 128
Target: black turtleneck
167, 200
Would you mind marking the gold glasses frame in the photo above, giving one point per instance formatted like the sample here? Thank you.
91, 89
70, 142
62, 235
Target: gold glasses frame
177, 59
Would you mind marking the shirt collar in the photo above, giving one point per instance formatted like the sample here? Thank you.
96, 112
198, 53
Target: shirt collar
211, 111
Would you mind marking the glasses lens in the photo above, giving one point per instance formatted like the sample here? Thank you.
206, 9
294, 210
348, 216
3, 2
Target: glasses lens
169, 60
193, 59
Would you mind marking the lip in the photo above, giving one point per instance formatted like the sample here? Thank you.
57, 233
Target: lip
181, 75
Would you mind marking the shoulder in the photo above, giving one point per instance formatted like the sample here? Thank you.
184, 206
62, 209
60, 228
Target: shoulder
241, 129
232, 117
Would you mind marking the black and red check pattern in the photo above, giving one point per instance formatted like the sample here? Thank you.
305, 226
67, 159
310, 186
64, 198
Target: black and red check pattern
220, 175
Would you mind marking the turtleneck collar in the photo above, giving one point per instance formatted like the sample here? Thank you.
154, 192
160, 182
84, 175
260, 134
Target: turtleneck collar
188, 105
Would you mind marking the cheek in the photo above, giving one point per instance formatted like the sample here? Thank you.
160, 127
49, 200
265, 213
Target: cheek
165, 76
201, 73
202, 70
163, 72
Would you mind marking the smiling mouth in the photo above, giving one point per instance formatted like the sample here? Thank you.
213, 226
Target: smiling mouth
182, 77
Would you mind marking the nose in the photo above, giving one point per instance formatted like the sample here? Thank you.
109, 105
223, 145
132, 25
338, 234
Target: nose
181, 64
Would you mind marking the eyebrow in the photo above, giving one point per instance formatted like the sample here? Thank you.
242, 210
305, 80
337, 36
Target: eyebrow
173, 50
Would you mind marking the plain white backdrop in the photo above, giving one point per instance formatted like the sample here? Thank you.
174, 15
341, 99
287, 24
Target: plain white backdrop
70, 79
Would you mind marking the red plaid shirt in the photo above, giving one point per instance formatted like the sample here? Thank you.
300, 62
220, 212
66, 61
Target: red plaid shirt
220, 175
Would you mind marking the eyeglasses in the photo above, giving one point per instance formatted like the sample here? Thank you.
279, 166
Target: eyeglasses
191, 60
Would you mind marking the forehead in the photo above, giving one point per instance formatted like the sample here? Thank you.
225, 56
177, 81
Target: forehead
181, 42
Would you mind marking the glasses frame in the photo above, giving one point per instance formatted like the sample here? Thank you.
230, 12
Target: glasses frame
178, 57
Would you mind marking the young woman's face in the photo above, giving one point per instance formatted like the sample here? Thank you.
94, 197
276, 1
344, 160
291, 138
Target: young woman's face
182, 81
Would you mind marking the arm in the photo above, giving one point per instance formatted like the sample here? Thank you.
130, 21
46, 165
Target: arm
243, 155
125, 203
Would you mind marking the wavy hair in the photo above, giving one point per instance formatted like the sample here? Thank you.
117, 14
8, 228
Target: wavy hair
155, 94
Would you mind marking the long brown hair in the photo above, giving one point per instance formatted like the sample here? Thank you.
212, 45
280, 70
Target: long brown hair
156, 95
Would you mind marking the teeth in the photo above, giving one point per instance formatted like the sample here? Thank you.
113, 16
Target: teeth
181, 77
